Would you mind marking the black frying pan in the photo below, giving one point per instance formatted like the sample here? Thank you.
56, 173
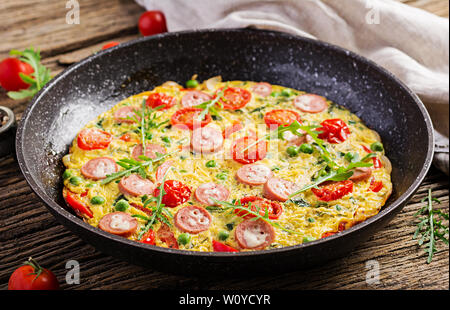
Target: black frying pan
95, 84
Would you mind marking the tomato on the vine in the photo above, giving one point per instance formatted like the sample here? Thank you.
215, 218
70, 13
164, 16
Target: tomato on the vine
9, 74
31, 276
152, 22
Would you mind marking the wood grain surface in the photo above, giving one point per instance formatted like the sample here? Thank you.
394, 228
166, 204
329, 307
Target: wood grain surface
28, 229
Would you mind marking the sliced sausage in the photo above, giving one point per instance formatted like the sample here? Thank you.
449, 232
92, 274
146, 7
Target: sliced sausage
310, 103
278, 189
98, 168
161, 171
192, 219
206, 140
150, 150
166, 235
361, 174
135, 185
118, 223
204, 192
263, 89
193, 98
122, 114
256, 235
255, 174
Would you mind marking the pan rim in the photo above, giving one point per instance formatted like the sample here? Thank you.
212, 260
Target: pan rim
63, 212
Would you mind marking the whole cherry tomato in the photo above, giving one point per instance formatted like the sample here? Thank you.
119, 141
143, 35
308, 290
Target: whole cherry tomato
9, 74
152, 22
31, 276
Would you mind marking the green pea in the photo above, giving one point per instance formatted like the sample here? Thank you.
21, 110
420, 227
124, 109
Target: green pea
274, 94
308, 239
184, 238
338, 207
292, 151
377, 147
97, 200
122, 205
306, 148
75, 180
222, 176
223, 235
67, 174
311, 220
191, 84
349, 156
286, 92
211, 163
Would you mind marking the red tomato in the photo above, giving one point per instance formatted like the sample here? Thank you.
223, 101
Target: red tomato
152, 22
79, 207
176, 193
327, 234
333, 190
253, 154
334, 130
157, 99
274, 209
31, 276
281, 117
110, 44
126, 137
148, 237
9, 74
235, 98
187, 117
377, 164
232, 129
376, 186
93, 139
220, 247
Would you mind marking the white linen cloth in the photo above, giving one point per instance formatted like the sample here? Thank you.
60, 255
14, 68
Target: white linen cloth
411, 43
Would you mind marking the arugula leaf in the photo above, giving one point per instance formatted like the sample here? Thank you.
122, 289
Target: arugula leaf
37, 79
208, 106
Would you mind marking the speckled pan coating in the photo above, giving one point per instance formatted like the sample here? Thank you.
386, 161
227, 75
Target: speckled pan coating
95, 84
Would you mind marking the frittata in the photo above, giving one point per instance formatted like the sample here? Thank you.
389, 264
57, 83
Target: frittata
226, 166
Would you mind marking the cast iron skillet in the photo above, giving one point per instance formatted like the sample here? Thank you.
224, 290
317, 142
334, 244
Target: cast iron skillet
95, 84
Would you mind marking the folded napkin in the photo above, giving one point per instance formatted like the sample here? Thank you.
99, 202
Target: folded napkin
411, 43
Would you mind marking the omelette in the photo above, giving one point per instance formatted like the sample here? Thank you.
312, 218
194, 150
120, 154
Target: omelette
226, 166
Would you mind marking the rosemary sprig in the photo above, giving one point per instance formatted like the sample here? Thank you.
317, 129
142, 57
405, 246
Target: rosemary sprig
208, 106
132, 166
430, 228
247, 210
158, 209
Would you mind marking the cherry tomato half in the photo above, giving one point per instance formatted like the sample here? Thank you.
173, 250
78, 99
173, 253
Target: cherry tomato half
187, 117
334, 131
376, 186
377, 164
220, 247
152, 22
9, 74
235, 98
157, 99
327, 234
274, 209
93, 139
251, 155
176, 193
31, 276
148, 237
73, 201
333, 190
281, 117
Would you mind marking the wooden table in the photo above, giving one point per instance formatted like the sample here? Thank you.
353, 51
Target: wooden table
28, 229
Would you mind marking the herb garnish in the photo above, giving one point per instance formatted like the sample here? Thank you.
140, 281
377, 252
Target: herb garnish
430, 226
132, 165
208, 106
247, 210
37, 79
